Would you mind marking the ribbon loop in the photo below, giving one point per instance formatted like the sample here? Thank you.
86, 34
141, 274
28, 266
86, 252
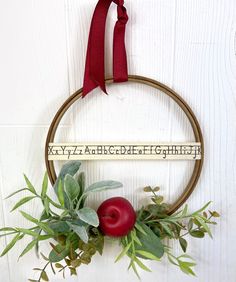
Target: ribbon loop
94, 74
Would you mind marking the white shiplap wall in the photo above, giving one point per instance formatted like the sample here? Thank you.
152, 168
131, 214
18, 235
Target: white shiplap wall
189, 45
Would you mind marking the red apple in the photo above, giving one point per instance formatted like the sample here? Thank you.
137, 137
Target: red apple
116, 217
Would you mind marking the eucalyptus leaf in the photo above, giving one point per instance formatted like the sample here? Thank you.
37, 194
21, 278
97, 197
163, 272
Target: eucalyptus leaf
197, 233
58, 253
44, 276
183, 244
103, 185
89, 216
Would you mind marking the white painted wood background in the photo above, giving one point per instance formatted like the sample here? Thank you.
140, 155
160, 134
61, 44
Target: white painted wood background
188, 45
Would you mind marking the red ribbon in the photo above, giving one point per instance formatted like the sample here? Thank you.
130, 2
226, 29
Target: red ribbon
94, 74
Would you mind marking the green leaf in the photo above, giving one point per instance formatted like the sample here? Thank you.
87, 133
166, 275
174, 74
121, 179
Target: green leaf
4, 229
185, 267
72, 188
58, 265
70, 168
81, 181
29, 217
150, 242
18, 191
147, 255
22, 202
103, 185
44, 237
58, 253
45, 228
30, 185
190, 224
140, 229
132, 264
89, 216
124, 252
28, 232
197, 233
11, 244
44, 276
28, 248
183, 244
44, 216
185, 210
204, 225
214, 214
147, 189
59, 227
60, 193
44, 185
80, 231
202, 209
166, 229
46, 205
141, 265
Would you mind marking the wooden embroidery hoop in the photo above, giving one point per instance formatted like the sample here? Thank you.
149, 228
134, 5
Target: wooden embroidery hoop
155, 84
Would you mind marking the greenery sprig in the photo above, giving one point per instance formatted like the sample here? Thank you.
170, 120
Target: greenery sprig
154, 225
72, 228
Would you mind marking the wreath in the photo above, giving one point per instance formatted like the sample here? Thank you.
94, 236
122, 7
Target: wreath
76, 232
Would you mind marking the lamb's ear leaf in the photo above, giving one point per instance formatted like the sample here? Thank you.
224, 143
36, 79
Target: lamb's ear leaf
60, 193
89, 216
71, 187
70, 168
104, 185
80, 230
81, 181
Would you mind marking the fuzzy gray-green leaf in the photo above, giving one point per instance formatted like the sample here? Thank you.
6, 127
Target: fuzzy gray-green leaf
72, 187
89, 216
104, 185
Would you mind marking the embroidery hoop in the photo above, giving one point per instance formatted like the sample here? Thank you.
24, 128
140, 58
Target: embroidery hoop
157, 85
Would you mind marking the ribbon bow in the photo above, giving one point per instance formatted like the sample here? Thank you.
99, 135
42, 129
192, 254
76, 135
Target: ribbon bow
94, 74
